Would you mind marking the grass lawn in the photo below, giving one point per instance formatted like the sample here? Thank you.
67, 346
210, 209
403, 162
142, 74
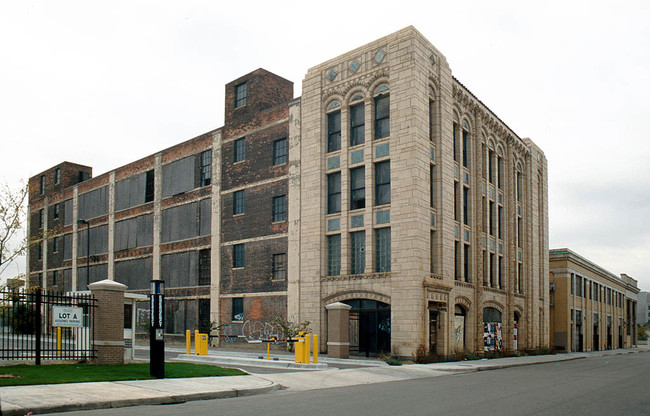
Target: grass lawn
78, 373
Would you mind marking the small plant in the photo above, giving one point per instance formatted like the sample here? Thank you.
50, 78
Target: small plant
393, 361
289, 329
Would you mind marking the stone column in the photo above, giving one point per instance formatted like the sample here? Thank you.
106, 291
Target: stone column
338, 332
109, 321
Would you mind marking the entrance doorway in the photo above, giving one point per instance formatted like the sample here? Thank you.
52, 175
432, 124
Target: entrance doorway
369, 326
515, 331
579, 341
433, 332
596, 338
492, 339
459, 328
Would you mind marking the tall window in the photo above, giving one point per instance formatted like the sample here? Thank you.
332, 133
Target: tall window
40, 250
41, 218
431, 186
358, 252
280, 267
491, 217
519, 185
204, 267
55, 277
465, 205
57, 211
382, 116
358, 188
237, 309
500, 275
240, 150
334, 131
465, 134
280, 208
238, 203
382, 250
492, 282
455, 139
55, 245
456, 260
499, 172
206, 167
149, 188
382, 183
466, 262
334, 255
238, 256
357, 124
456, 200
57, 176
240, 95
499, 223
41, 185
491, 166
432, 259
431, 118
334, 192
280, 152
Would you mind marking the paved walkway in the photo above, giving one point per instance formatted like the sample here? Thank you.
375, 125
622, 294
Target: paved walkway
20, 400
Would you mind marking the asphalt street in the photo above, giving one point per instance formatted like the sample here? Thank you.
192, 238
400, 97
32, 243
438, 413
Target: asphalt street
609, 385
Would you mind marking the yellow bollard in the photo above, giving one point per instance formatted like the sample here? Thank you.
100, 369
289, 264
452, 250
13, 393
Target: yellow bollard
315, 348
298, 349
202, 346
268, 350
196, 342
188, 341
307, 349
58, 340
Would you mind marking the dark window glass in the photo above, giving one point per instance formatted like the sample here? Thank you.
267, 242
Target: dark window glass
280, 152
57, 211
237, 309
334, 192
240, 95
432, 186
431, 120
465, 205
55, 277
456, 200
280, 208
358, 252
237, 256
465, 148
148, 188
57, 175
382, 116
240, 150
491, 217
204, 267
357, 188
55, 245
41, 218
40, 250
357, 124
466, 262
382, 250
334, 131
499, 219
42, 185
238, 203
490, 166
334, 255
501, 272
206, 167
455, 141
382, 183
499, 171
280, 266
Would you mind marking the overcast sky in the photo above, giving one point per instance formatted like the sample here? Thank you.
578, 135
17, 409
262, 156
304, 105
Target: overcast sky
106, 83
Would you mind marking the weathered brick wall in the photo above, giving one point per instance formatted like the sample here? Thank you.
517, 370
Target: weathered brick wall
256, 275
256, 308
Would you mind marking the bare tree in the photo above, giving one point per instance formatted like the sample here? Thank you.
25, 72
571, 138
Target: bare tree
13, 242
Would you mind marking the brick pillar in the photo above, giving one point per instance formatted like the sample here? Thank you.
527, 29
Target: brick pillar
338, 330
109, 321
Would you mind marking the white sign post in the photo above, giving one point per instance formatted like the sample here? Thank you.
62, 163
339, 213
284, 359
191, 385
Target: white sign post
67, 316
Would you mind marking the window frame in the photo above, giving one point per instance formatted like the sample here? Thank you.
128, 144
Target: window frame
57, 176
279, 208
381, 186
334, 255
357, 201
241, 95
239, 202
279, 267
280, 152
205, 159
334, 195
237, 309
383, 250
380, 118
357, 120
334, 131
239, 150
238, 256
357, 252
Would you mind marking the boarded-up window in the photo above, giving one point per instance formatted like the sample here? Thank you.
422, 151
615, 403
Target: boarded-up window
186, 221
98, 241
97, 272
94, 203
135, 274
130, 192
178, 176
180, 269
67, 212
134, 232
67, 247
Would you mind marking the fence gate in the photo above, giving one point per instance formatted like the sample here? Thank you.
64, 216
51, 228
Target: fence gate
46, 326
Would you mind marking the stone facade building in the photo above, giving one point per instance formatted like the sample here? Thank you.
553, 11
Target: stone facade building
643, 308
591, 308
387, 186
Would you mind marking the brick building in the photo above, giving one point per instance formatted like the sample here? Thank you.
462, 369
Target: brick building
591, 309
388, 186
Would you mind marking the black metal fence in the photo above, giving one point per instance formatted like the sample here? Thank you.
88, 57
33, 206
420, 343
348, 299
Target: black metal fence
28, 331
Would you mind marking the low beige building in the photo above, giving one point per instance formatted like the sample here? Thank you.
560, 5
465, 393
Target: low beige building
591, 308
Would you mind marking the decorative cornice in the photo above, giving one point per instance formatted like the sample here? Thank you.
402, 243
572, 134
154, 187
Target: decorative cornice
365, 81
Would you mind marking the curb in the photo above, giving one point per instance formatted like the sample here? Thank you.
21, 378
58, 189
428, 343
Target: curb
248, 362
16, 410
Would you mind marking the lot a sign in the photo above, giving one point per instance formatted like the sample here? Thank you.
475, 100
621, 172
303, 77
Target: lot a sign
67, 316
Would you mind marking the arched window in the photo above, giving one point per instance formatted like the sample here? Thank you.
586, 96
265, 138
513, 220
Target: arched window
334, 127
382, 112
357, 120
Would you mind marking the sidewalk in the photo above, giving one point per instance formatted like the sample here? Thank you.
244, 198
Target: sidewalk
20, 400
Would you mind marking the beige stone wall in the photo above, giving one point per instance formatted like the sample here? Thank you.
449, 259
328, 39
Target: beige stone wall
411, 67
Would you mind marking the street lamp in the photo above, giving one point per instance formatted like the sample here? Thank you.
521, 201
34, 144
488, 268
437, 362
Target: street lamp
82, 222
